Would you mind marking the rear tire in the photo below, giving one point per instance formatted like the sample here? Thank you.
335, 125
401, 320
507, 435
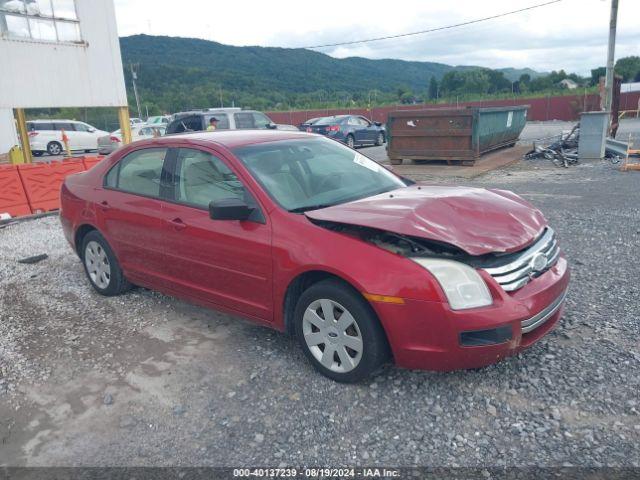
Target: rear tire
101, 266
339, 332
54, 148
350, 141
37, 154
395, 161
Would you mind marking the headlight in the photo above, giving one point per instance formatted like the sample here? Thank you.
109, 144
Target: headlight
462, 285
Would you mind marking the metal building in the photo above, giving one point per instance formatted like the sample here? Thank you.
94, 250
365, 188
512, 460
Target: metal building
58, 53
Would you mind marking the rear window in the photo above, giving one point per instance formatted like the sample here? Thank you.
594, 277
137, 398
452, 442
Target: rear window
329, 120
186, 124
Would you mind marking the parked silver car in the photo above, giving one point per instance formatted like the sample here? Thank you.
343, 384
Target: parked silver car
113, 141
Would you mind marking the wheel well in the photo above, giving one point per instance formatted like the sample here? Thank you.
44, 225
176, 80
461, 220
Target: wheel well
306, 280
295, 289
79, 236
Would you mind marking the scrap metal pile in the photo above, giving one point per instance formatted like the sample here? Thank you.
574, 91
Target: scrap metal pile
562, 150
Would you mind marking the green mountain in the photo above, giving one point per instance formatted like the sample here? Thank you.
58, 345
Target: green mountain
179, 73
513, 74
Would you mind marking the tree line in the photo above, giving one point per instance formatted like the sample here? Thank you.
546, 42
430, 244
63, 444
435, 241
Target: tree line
485, 81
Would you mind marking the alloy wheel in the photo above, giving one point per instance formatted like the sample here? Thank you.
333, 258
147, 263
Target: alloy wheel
55, 149
332, 335
97, 263
350, 141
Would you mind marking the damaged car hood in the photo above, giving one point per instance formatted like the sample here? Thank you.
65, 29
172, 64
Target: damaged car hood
476, 220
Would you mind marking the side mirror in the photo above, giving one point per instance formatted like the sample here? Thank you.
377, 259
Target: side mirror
377, 124
271, 126
91, 129
229, 209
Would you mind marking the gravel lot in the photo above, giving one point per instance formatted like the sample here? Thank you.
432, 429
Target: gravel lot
144, 379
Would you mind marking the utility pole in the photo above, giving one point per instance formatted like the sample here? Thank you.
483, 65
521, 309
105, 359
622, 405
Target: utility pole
134, 77
608, 85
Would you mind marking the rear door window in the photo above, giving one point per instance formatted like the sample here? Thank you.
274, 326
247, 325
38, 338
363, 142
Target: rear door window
69, 127
201, 178
139, 172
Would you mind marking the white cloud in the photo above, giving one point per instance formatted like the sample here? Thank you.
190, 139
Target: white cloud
570, 35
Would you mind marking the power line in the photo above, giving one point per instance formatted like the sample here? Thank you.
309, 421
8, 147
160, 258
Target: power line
448, 27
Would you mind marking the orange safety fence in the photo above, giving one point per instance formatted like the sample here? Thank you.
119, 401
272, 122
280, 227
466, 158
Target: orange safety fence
13, 199
35, 187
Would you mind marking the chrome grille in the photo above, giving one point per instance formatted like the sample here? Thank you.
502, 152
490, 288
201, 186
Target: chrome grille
528, 264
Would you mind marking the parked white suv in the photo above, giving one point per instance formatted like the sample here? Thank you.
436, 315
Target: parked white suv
46, 136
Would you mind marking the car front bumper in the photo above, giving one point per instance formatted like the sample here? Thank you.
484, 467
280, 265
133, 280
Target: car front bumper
430, 336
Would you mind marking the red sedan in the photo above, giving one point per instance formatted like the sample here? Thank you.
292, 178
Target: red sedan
303, 234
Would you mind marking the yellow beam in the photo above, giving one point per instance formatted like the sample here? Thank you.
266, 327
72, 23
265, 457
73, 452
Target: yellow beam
125, 124
21, 120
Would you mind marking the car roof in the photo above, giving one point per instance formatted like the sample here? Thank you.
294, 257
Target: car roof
53, 120
210, 111
232, 138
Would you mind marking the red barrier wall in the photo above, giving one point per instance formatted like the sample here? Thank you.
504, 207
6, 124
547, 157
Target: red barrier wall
13, 199
565, 108
42, 182
35, 187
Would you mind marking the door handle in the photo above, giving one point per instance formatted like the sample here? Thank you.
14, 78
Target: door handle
104, 205
178, 224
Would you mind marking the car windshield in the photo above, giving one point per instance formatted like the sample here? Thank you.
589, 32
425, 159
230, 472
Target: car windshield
313, 173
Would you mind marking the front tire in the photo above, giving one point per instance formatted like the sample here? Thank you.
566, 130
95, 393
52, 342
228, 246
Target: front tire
102, 267
339, 332
379, 139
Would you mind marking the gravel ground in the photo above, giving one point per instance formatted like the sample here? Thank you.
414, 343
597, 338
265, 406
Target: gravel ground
144, 379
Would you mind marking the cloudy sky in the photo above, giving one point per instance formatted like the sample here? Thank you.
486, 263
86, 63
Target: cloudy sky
571, 34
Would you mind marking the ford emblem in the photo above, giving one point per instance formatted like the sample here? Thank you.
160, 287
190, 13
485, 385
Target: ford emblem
539, 262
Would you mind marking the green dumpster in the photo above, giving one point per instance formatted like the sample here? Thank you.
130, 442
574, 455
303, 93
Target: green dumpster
455, 135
